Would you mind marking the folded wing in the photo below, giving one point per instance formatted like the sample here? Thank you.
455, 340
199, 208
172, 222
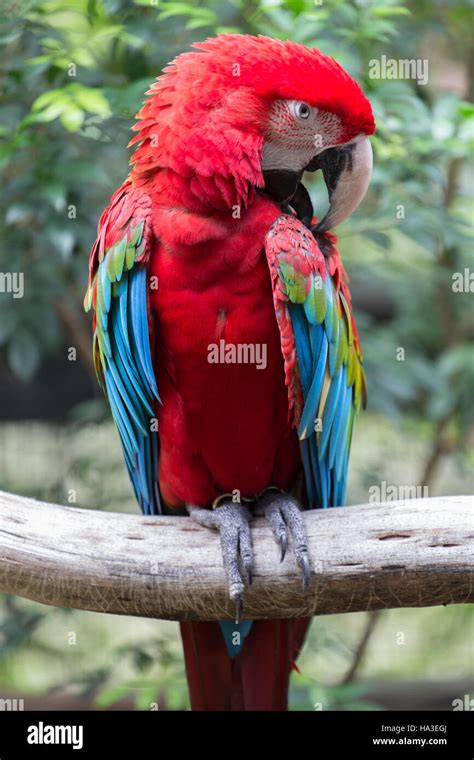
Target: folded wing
321, 351
118, 293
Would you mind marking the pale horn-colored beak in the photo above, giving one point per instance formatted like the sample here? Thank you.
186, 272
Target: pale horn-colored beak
347, 171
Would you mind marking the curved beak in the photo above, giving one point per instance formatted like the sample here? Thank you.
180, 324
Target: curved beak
347, 171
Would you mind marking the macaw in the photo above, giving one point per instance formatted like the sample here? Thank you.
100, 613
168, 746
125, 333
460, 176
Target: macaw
211, 242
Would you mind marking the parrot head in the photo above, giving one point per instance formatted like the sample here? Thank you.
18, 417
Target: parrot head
242, 113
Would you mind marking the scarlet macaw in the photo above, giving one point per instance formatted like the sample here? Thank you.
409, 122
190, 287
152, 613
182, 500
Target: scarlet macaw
211, 242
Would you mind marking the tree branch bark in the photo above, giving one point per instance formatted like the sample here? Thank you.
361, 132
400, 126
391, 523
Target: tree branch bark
414, 553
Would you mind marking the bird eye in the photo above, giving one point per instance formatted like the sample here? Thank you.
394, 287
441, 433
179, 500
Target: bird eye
302, 110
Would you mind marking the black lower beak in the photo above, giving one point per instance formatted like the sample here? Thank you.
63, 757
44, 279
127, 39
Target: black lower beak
281, 184
286, 189
302, 204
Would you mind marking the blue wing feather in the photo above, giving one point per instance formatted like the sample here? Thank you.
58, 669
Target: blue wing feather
325, 461
310, 408
300, 327
126, 363
339, 420
332, 404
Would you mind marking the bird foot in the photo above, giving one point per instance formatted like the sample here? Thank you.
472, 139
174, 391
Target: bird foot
232, 520
283, 512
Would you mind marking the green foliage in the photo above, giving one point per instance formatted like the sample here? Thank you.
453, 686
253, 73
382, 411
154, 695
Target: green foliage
316, 696
147, 695
70, 104
18, 626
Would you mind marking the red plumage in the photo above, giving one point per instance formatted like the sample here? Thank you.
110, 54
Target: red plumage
222, 426
256, 679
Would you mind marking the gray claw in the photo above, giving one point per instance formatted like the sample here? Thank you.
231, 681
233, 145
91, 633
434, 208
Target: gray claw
284, 515
303, 562
238, 609
248, 570
232, 520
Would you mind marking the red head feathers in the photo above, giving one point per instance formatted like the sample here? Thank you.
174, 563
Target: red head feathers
203, 126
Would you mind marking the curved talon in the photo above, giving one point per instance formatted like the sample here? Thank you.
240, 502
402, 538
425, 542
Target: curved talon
245, 551
239, 604
303, 562
284, 514
248, 570
233, 523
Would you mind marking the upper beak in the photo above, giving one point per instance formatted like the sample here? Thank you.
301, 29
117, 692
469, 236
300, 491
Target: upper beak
347, 171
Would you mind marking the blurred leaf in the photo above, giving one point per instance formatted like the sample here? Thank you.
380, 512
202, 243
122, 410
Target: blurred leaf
23, 355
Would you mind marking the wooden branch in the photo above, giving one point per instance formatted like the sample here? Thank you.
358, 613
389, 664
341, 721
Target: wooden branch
417, 553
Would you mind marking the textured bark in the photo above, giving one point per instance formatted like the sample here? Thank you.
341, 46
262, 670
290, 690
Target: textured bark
416, 553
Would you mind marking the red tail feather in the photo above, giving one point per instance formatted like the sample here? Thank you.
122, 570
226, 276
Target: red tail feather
256, 679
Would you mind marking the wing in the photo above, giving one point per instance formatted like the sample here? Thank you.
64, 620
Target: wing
117, 291
321, 351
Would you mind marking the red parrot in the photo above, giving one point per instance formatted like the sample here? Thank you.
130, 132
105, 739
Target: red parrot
223, 331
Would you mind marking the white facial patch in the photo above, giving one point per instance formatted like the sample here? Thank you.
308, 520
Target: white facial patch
292, 141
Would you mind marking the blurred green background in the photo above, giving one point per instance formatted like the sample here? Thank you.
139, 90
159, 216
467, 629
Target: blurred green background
72, 77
